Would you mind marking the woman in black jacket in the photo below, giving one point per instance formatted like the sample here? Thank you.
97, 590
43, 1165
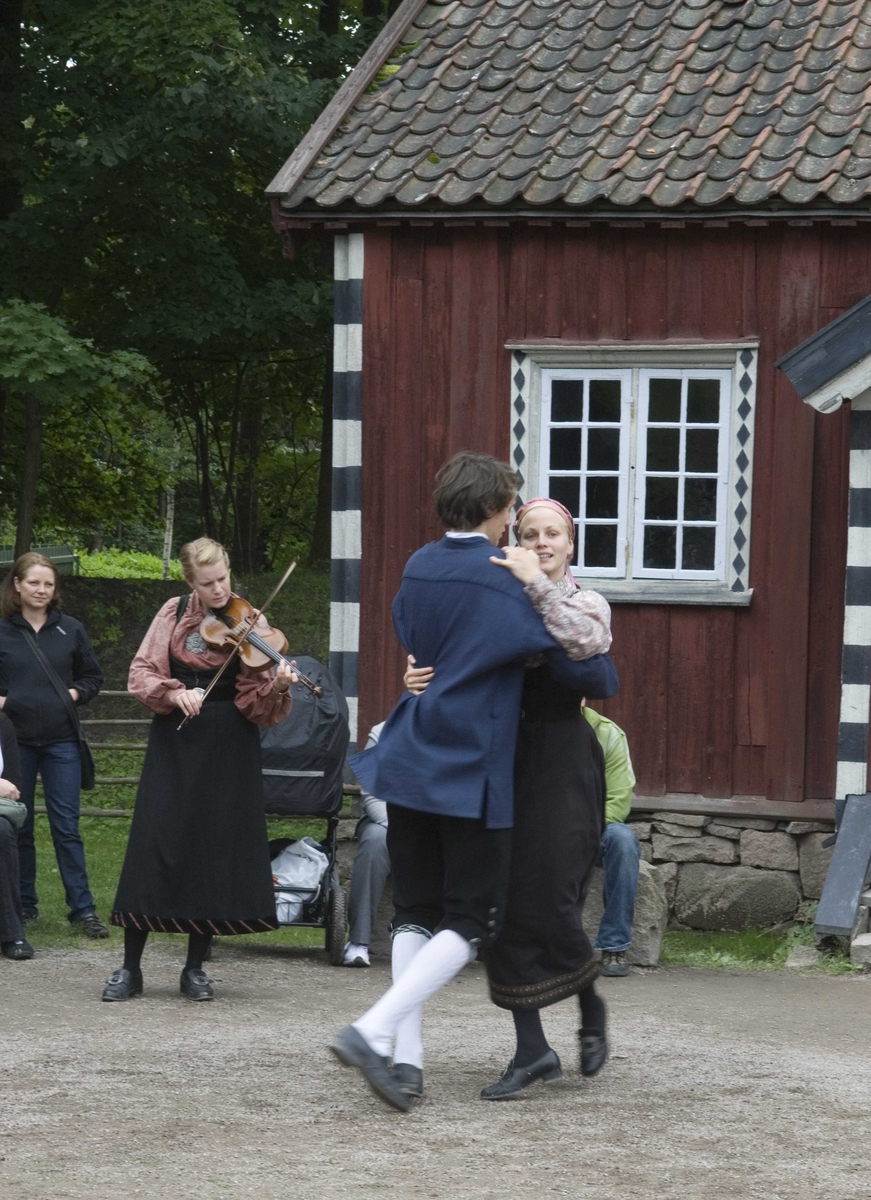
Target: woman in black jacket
12, 940
47, 737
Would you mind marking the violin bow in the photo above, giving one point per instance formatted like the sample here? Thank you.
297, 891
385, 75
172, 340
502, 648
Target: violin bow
258, 612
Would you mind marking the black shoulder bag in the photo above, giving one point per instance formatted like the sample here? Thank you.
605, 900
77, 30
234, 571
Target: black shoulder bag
88, 769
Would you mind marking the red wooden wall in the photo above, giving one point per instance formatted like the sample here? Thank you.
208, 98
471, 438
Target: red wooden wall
715, 701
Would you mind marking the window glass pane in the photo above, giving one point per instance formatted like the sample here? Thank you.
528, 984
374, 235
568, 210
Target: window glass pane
698, 548
600, 546
603, 450
660, 544
660, 502
574, 562
602, 496
565, 449
567, 400
699, 500
604, 401
663, 448
703, 401
664, 400
702, 449
567, 491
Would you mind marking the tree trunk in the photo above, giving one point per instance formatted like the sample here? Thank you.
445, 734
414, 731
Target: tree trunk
322, 532
248, 550
29, 474
11, 128
168, 529
328, 17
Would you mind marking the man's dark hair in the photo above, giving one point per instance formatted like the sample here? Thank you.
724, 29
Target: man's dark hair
472, 487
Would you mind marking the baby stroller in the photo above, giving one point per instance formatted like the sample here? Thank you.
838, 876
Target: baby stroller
302, 761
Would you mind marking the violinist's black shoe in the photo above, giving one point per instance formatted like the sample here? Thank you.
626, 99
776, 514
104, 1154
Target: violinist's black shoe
594, 1051
515, 1079
194, 984
409, 1079
123, 985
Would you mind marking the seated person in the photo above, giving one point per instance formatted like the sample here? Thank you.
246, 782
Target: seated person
13, 943
371, 868
619, 851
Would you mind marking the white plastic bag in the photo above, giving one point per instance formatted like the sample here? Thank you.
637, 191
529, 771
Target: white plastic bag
302, 864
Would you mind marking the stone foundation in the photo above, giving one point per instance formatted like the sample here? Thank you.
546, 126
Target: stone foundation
732, 873
697, 872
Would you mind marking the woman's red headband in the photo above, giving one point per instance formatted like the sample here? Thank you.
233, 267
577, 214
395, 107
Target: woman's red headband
545, 502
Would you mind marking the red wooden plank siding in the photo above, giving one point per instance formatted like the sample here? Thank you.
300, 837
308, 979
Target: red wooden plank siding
715, 701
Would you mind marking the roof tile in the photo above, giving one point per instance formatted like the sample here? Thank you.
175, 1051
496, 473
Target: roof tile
619, 101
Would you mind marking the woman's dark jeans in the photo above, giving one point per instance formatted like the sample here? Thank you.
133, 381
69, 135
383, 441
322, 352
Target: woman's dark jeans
61, 770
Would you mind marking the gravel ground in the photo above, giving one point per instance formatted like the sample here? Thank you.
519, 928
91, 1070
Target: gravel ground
721, 1085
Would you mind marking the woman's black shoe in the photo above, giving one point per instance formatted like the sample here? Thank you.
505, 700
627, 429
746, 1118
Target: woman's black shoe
194, 984
123, 985
515, 1079
594, 1051
409, 1078
18, 950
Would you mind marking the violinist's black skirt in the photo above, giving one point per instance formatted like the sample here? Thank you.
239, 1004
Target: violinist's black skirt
543, 954
198, 856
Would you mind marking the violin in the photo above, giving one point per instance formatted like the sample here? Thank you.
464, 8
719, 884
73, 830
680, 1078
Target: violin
233, 626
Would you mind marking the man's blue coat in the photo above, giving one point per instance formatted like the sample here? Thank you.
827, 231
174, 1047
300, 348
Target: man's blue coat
451, 749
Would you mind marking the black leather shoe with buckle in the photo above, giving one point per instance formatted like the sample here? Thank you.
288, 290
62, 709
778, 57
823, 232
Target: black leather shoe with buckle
123, 985
409, 1078
515, 1079
352, 1049
594, 1051
194, 984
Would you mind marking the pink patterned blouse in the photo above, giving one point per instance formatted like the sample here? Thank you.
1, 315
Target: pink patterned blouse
579, 619
150, 679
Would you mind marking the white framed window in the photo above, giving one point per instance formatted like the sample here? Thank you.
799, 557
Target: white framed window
650, 449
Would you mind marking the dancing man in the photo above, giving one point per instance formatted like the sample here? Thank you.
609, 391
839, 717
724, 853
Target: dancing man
445, 759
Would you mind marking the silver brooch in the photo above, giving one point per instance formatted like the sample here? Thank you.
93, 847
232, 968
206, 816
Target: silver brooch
195, 643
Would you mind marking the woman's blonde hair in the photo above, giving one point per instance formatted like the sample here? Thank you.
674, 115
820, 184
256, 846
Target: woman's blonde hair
204, 552
10, 599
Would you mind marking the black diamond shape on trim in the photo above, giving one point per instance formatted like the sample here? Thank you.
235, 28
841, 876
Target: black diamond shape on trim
519, 380
742, 462
743, 435
519, 356
741, 487
519, 456
740, 539
744, 409
740, 514
519, 406
737, 586
520, 483
744, 383
739, 563
746, 357
519, 430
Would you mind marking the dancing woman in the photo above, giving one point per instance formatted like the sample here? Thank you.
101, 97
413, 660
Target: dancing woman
543, 954
197, 860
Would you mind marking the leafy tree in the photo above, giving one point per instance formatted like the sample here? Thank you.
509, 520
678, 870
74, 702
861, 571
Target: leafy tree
45, 368
143, 136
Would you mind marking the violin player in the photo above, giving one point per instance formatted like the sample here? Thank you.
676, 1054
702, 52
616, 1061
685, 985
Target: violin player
197, 860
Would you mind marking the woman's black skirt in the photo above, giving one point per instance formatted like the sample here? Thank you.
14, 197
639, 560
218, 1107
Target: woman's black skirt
543, 954
198, 856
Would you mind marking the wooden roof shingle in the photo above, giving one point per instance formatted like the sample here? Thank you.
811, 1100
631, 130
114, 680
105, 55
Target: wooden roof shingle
571, 103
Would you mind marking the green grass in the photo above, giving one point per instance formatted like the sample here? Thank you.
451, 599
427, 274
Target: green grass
751, 950
105, 841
